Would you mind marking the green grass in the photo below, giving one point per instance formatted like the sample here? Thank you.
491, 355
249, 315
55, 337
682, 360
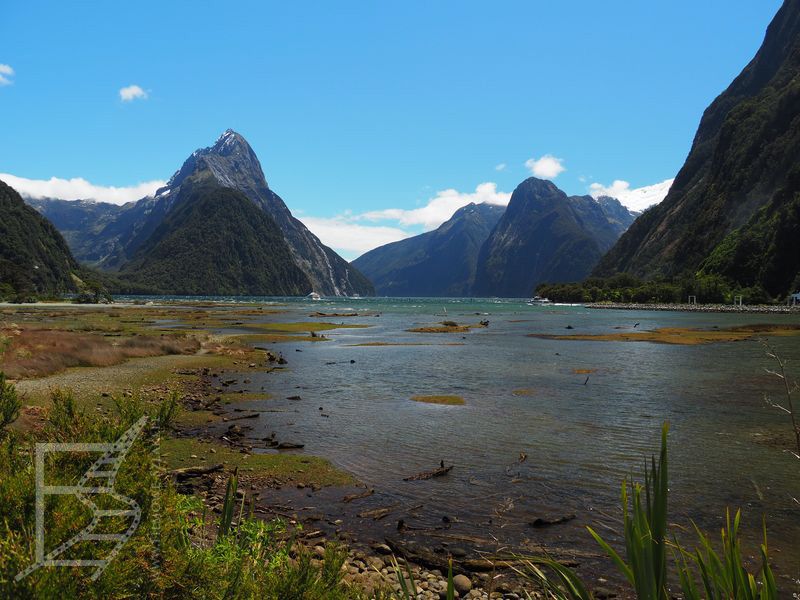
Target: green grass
173, 553
445, 400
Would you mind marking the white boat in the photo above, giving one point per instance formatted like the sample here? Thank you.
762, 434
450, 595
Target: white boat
539, 301
314, 296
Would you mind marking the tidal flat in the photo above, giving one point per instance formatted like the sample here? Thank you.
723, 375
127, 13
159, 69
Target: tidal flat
549, 426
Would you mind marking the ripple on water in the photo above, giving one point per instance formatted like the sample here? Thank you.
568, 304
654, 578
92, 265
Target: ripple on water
580, 437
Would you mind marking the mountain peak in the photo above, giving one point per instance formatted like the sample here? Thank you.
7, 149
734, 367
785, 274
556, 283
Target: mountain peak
230, 142
231, 161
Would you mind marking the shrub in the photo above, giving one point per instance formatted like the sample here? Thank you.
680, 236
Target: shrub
10, 403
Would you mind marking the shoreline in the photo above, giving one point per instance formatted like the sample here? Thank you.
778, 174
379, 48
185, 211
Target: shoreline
702, 308
372, 524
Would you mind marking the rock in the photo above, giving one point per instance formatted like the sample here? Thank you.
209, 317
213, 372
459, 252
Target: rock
382, 549
462, 584
289, 446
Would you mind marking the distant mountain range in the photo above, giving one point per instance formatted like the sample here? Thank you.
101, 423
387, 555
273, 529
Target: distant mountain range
486, 250
131, 239
734, 208
34, 258
436, 263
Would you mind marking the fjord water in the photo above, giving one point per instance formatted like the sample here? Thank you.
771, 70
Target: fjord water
531, 395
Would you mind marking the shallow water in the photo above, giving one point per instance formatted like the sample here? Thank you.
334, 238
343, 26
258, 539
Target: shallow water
581, 437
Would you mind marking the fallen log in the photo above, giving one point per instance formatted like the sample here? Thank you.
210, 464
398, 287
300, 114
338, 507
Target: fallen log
429, 474
188, 472
364, 494
541, 522
426, 558
240, 417
377, 514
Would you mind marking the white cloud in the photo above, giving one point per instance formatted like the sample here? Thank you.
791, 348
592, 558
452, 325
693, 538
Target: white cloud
6, 72
546, 167
132, 92
79, 189
636, 199
441, 207
501, 167
352, 239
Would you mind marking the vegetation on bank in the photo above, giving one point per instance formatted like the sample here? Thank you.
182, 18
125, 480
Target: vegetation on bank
706, 288
178, 550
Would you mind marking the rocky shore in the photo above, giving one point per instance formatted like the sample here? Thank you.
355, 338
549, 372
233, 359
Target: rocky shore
704, 308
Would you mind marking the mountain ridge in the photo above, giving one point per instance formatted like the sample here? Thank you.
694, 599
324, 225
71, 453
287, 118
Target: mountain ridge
435, 263
230, 161
739, 183
34, 257
545, 235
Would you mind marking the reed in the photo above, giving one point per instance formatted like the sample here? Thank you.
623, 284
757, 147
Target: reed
723, 576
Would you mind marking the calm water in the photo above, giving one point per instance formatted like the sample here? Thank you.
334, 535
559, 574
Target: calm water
581, 440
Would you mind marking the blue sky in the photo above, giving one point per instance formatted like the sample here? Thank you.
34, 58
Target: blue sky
362, 112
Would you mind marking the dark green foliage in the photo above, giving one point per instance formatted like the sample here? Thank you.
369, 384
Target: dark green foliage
545, 236
436, 263
34, 258
707, 289
764, 253
733, 206
215, 241
228, 506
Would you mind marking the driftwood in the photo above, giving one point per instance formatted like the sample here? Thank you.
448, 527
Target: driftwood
429, 474
377, 514
188, 472
364, 494
540, 522
240, 417
314, 534
423, 556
